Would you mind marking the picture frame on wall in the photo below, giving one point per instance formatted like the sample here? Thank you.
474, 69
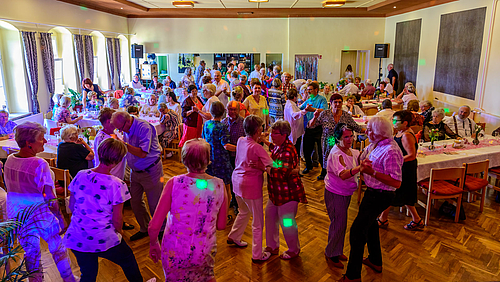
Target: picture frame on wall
185, 61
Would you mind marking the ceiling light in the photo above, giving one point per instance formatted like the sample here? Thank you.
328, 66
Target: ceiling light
121, 8
258, 1
244, 13
394, 7
333, 3
183, 4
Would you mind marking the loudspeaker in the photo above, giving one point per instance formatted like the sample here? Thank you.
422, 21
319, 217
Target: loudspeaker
381, 50
137, 51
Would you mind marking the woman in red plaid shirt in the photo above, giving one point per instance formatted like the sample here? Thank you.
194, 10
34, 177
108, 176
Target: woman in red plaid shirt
285, 192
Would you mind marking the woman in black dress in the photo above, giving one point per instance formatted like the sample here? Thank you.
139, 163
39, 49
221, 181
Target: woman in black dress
406, 195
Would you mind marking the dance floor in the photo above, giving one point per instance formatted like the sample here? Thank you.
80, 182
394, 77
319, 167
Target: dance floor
443, 251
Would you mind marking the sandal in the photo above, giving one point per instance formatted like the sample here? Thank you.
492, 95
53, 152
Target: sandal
383, 224
286, 255
272, 251
265, 256
414, 225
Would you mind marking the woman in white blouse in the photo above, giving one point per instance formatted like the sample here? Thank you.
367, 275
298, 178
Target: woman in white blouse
408, 94
256, 104
173, 105
151, 108
209, 93
351, 108
295, 117
340, 183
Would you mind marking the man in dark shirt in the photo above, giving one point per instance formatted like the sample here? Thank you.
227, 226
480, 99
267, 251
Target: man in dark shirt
393, 77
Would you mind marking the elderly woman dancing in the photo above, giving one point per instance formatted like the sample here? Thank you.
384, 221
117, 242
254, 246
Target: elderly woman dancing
381, 166
251, 161
29, 182
195, 205
285, 192
340, 183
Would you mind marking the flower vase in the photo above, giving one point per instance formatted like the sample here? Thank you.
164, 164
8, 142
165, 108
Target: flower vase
475, 141
432, 147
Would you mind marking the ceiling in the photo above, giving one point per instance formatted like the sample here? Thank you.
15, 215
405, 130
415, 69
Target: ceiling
245, 9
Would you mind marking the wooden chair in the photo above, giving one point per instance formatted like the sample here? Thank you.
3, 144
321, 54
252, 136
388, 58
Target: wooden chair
370, 111
174, 145
64, 176
494, 172
439, 187
52, 162
476, 180
416, 129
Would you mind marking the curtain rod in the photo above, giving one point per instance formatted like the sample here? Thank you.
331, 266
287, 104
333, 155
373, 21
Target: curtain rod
54, 25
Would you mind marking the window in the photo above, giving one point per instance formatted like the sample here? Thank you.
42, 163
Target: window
3, 101
59, 82
96, 79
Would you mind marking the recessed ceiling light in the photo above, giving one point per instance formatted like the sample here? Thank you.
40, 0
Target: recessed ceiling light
258, 1
121, 8
245, 13
394, 7
183, 4
333, 3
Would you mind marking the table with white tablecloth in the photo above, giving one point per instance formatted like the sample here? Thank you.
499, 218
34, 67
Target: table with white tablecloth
489, 148
89, 122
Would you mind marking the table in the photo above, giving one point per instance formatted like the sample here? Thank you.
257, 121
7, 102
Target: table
489, 148
89, 122
362, 120
50, 149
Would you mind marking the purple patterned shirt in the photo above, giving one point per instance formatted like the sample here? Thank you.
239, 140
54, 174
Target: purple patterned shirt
8, 129
235, 131
386, 158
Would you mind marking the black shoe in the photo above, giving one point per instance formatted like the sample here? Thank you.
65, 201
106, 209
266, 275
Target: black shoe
127, 226
306, 171
321, 177
139, 235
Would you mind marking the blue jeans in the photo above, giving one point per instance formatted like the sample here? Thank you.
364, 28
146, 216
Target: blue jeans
120, 254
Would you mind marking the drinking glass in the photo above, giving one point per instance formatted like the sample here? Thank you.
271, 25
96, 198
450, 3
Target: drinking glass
421, 142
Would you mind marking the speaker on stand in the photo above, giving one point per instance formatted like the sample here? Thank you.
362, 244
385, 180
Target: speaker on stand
381, 51
137, 53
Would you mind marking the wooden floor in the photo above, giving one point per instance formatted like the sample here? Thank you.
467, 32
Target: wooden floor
443, 251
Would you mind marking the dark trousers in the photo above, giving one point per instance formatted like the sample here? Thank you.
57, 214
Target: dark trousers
365, 231
233, 196
312, 137
297, 146
120, 254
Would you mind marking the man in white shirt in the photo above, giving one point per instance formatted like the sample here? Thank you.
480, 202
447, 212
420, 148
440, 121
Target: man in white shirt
136, 84
295, 117
388, 87
387, 110
350, 88
222, 88
461, 124
255, 73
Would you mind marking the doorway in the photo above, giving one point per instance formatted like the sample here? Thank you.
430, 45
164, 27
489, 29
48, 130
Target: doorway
359, 61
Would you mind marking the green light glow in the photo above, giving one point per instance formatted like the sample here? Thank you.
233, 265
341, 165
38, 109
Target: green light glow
287, 222
238, 36
83, 8
421, 62
331, 141
265, 111
202, 29
446, 110
278, 163
201, 184
156, 45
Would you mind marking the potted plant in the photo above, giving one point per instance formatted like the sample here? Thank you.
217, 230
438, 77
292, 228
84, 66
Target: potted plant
477, 130
76, 98
10, 232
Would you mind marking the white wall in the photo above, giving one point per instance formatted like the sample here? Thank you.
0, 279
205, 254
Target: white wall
289, 36
487, 97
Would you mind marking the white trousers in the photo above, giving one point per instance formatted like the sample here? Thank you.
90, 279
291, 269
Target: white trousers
246, 208
283, 216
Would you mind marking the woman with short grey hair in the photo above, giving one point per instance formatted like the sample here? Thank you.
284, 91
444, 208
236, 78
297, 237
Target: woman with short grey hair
151, 108
30, 184
73, 153
285, 190
437, 123
251, 161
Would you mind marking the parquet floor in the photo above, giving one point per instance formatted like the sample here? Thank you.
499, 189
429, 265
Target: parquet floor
443, 251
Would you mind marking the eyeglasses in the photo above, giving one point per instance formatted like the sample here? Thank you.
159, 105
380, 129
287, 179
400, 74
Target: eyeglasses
395, 121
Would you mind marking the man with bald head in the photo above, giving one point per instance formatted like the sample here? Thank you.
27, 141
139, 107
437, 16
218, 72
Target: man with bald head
222, 88
393, 77
461, 124
144, 160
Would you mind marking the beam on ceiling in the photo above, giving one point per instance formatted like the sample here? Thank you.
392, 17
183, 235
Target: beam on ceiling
132, 5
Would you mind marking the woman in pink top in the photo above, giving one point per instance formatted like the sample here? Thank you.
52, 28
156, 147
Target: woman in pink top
251, 161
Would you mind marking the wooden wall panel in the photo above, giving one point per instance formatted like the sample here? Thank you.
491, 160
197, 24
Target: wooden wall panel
406, 50
459, 53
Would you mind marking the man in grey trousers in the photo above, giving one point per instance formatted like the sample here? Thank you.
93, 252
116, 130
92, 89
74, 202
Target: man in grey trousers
144, 159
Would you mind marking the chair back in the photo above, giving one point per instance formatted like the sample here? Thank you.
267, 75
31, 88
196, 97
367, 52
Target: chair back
118, 94
62, 175
371, 111
452, 173
52, 162
476, 168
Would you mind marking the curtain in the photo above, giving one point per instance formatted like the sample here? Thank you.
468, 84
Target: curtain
306, 67
111, 65
31, 61
89, 56
118, 58
80, 60
48, 63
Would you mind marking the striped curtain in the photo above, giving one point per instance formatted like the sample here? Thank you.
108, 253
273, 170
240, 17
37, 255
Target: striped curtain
111, 65
89, 56
118, 58
48, 63
31, 63
80, 58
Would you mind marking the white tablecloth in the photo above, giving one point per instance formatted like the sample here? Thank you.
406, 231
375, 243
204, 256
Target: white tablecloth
50, 149
88, 122
470, 154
